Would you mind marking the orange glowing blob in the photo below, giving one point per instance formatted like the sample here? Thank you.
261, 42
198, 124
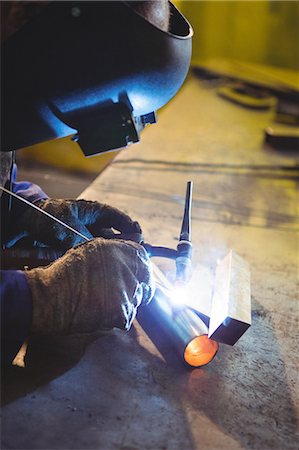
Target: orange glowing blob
200, 351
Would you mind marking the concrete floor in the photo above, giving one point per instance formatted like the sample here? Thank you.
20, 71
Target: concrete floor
131, 391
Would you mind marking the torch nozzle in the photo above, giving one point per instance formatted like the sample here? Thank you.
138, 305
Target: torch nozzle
184, 248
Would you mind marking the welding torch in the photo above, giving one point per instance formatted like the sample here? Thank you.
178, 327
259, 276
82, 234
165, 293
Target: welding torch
183, 254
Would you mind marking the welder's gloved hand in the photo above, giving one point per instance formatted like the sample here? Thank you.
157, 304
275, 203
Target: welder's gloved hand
90, 218
94, 286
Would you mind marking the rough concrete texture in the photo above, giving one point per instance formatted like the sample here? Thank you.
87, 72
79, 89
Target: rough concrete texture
131, 391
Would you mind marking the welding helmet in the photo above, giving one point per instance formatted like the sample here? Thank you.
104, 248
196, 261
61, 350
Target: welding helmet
95, 70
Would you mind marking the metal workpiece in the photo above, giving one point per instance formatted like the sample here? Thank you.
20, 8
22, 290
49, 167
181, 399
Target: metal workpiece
187, 332
231, 301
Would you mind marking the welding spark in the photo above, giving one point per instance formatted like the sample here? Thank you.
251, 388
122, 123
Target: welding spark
195, 294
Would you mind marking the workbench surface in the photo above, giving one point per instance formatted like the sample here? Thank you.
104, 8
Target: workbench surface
124, 392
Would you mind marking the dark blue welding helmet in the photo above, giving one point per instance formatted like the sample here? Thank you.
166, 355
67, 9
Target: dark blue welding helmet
95, 70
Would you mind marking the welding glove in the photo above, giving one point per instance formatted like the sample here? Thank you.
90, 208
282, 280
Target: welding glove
90, 218
94, 286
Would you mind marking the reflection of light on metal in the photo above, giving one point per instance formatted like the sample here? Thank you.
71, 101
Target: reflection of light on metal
186, 330
57, 126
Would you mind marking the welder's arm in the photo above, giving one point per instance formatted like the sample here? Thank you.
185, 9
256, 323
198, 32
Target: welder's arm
90, 218
96, 286
27, 190
11, 229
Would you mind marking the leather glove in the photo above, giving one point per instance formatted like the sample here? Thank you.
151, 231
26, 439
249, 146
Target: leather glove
90, 218
95, 286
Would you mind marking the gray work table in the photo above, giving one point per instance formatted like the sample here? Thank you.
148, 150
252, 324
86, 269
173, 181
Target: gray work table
121, 391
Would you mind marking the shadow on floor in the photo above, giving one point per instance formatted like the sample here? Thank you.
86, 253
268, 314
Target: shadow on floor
118, 395
47, 358
244, 390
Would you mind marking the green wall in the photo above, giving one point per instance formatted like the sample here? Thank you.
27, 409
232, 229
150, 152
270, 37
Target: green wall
263, 32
